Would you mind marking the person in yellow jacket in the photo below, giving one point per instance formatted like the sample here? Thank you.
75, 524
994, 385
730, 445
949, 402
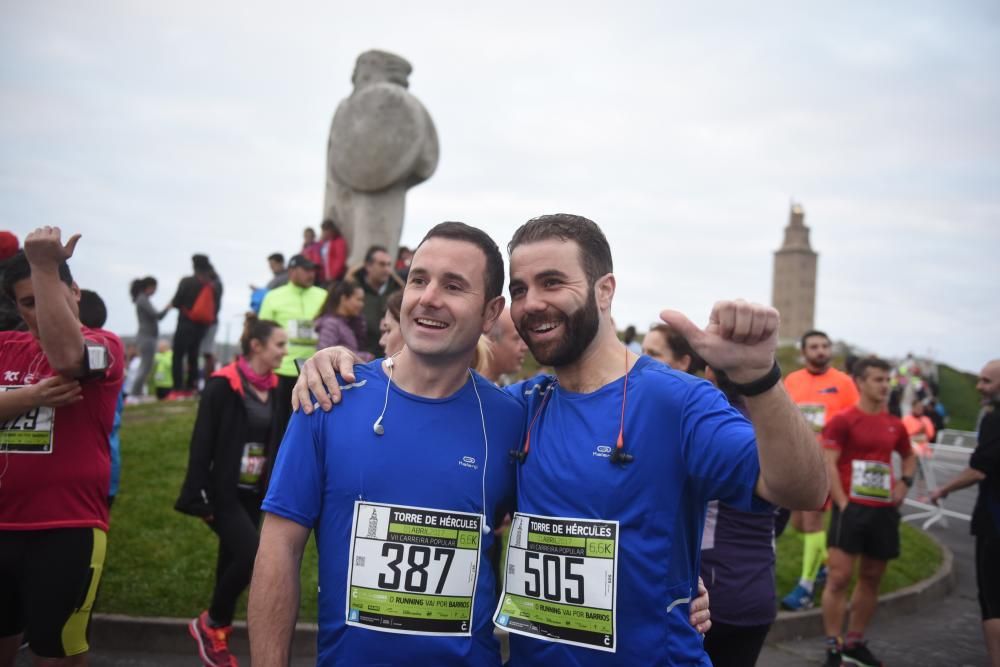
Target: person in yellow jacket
293, 306
162, 380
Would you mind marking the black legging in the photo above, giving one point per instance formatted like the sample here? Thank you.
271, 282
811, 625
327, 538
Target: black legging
236, 525
283, 404
187, 343
735, 645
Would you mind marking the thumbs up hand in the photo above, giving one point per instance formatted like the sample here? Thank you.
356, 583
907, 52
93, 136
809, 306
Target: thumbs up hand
740, 338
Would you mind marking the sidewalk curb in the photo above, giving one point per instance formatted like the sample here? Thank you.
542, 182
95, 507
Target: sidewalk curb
157, 634
916, 597
116, 632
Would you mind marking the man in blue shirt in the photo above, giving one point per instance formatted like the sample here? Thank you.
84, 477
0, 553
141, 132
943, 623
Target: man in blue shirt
623, 442
621, 456
401, 485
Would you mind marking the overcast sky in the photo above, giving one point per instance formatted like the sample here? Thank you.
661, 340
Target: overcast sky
163, 129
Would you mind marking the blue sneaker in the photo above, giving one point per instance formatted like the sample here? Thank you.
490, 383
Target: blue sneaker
820, 578
798, 600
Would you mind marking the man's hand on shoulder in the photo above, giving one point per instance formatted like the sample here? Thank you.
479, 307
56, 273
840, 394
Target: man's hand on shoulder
740, 338
319, 377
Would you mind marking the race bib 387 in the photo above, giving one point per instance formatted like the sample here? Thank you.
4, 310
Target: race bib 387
412, 570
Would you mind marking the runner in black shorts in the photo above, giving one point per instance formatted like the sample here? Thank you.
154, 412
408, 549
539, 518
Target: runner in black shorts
863, 529
59, 384
864, 524
48, 580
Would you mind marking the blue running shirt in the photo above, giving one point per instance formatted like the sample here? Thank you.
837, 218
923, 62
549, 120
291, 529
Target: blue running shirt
429, 465
690, 447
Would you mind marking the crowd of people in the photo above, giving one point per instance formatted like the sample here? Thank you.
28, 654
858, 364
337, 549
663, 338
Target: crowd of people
588, 512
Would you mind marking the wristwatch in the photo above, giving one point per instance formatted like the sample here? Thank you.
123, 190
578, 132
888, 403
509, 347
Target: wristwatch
908, 480
760, 385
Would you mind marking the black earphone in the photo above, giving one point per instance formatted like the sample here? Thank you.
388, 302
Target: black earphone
618, 456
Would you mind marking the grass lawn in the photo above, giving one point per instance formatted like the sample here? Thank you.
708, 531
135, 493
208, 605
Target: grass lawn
919, 558
959, 396
160, 562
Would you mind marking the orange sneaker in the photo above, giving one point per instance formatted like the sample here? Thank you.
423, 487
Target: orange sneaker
213, 643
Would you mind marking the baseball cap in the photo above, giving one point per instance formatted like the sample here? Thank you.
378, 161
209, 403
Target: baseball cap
300, 262
8, 245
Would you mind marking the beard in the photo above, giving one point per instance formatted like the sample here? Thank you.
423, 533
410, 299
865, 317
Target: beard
579, 330
819, 365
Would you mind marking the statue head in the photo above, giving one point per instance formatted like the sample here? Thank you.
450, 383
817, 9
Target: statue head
381, 66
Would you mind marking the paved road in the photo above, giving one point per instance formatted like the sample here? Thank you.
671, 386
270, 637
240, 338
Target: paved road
948, 636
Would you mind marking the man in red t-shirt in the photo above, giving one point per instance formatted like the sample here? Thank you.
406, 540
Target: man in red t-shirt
864, 523
59, 383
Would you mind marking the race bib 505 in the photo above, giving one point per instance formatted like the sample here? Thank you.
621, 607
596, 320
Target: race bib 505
561, 581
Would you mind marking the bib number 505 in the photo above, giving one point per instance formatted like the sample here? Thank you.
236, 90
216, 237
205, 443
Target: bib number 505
546, 577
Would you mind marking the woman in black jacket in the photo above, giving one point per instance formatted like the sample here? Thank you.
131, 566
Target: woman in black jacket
227, 473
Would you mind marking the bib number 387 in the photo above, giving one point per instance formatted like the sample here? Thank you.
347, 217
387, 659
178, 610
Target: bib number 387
561, 581
412, 570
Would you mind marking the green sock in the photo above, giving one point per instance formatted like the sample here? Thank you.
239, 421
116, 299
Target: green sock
813, 554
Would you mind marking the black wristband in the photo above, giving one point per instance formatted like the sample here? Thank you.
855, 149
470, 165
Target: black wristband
760, 385
908, 480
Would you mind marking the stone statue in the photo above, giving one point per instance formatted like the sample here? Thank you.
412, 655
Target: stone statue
382, 142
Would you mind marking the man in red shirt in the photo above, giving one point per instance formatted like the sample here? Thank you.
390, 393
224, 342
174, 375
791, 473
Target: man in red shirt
59, 383
859, 443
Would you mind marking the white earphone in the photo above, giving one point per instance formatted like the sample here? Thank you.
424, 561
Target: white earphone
379, 429
377, 426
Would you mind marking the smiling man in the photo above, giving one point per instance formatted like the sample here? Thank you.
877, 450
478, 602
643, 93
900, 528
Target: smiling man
402, 484
621, 456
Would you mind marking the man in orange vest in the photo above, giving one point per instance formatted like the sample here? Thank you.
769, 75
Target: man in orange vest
820, 391
920, 427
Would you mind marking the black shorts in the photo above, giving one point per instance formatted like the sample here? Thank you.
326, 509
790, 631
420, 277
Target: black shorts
48, 581
865, 530
988, 575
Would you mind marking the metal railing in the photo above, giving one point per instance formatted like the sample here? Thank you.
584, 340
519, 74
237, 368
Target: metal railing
954, 445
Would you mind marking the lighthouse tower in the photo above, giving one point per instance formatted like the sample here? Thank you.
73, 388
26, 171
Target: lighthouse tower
794, 289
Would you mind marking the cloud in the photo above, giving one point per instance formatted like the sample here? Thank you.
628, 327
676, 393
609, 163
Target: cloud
162, 130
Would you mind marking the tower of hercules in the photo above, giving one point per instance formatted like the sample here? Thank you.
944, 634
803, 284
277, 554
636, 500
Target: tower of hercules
794, 289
